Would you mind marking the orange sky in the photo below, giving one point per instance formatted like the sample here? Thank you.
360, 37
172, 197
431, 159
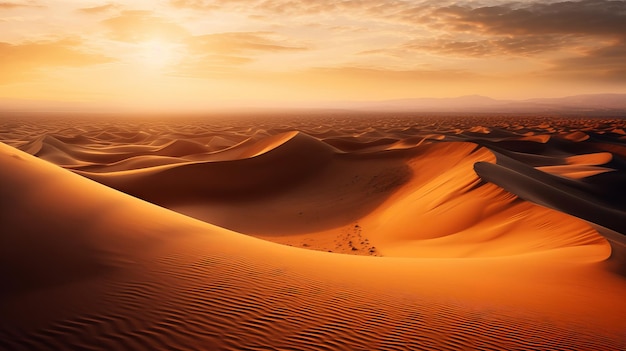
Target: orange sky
198, 54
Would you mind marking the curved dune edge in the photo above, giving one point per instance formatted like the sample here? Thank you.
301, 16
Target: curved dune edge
447, 211
106, 256
574, 171
581, 166
293, 189
549, 191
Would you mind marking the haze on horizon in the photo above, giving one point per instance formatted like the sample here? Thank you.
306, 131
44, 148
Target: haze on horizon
198, 54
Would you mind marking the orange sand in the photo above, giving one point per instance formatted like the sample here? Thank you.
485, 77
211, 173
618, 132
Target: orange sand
399, 234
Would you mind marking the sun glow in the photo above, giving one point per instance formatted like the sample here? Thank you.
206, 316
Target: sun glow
157, 54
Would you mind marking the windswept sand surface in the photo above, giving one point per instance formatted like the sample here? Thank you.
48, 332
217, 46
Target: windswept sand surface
312, 233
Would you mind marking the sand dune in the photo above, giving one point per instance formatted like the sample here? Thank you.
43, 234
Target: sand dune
256, 170
473, 223
581, 166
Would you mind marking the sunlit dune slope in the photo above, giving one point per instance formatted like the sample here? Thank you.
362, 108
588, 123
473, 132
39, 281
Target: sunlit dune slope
85, 266
447, 210
581, 166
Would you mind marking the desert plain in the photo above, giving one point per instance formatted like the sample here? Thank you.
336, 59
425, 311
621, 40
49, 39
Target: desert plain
313, 231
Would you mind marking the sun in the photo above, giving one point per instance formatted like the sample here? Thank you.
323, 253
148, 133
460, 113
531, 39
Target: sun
157, 54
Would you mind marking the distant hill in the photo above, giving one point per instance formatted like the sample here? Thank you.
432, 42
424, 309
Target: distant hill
596, 101
614, 103
593, 104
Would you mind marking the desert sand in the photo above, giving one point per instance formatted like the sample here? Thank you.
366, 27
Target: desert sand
313, 232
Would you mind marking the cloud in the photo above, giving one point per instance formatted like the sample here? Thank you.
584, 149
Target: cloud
240, 42
606, 64
136, 26
585, 17
587, 35
591, 32
99, 9
494, 46
311, 7
196, 4
220, 53
469, 28
532, 29
12, 5
294, 7
29, 59
379, 74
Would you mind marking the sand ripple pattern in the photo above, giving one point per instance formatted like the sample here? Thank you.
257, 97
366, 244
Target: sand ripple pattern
230, 303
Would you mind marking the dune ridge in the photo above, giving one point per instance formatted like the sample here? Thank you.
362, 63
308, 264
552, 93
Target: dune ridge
465, 258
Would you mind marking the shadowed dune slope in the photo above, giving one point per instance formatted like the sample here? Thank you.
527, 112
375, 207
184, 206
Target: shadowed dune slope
572, 197
258, 170
107, 257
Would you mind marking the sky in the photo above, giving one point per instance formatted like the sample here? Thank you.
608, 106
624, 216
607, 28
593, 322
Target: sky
202, 54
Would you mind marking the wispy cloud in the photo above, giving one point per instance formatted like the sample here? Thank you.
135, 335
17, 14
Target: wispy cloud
490, 47
100, 9
602, 64
588, 35
584, 17
4, 5
519, 28
136, 26
299, 7
240, 42
220, 53
30, 59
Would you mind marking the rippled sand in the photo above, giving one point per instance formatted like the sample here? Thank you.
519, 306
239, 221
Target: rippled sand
378, 232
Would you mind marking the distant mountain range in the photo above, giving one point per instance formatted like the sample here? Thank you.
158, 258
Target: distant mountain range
597, 103
592, 104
